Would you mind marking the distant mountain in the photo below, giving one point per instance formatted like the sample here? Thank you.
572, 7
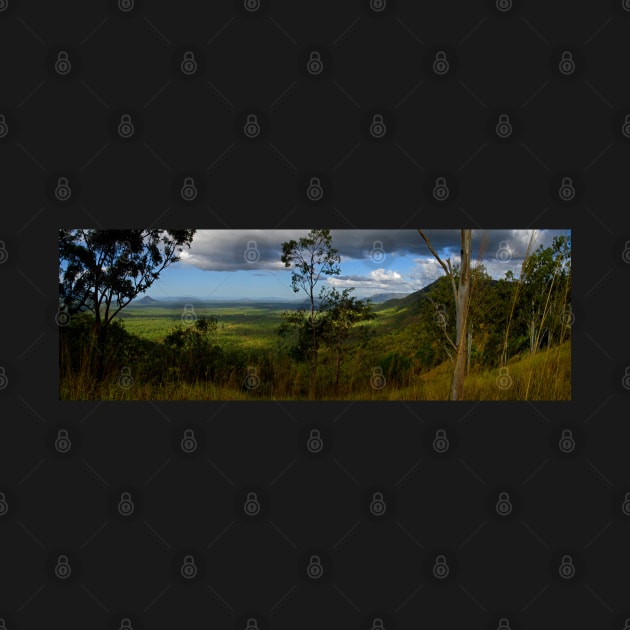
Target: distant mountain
410, 302
223, 299
379, 298
147, 299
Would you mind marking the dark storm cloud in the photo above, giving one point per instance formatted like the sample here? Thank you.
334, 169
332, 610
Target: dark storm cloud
231, 250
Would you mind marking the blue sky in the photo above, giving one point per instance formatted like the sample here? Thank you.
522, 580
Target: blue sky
234, 264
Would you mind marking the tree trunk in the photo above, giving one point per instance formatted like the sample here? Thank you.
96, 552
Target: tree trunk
313, 382
99, 348
462, 300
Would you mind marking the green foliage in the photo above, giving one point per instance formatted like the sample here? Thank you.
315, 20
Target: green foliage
296, 334
341, 312
103, 270
310, 257
193, 336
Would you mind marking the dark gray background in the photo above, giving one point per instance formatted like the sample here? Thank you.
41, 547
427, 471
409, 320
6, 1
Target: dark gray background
255, 62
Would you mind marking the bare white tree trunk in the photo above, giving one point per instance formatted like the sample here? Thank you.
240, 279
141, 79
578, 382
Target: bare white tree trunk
462, 300
461, 293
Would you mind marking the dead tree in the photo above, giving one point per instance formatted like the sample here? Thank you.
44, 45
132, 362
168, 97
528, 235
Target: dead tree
461, 293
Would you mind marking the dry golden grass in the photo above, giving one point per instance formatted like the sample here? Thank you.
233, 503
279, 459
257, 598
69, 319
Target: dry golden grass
543, 376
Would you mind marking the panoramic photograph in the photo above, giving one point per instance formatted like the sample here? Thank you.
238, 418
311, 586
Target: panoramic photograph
314, 314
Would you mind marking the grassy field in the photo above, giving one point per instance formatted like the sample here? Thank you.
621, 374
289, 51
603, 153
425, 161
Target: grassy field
254, 326
246, 339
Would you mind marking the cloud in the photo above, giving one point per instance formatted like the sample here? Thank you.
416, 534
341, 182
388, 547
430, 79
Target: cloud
231, 250
376, 280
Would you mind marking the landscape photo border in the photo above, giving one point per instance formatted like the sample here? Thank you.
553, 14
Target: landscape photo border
195, 336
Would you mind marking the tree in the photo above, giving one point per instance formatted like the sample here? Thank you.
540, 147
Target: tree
461, 295
296, 326
310, 257
547, 281
192, 353
102, 271
342, 312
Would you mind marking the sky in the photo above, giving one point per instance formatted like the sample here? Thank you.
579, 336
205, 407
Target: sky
236, 264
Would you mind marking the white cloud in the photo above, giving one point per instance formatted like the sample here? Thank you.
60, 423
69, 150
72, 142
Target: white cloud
380, 275
378, 280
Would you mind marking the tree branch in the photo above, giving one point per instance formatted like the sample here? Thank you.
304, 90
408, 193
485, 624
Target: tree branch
447, 267
435, 254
